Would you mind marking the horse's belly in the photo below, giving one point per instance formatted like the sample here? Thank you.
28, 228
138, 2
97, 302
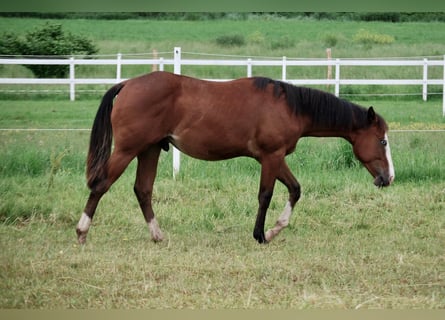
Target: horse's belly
208, 149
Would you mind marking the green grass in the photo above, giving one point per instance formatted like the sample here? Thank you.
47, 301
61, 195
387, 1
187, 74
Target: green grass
416, 38
27, 114
349, 244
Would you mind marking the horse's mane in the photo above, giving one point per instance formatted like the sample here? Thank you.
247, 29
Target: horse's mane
325, 109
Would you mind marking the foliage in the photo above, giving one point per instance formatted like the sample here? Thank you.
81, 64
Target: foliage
283, 42
368, 38
201, 16
56, 164
48, 40
330, 40
235, 40
379, 16
256, 37
10, 44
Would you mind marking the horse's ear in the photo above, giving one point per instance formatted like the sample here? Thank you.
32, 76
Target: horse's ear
371, 115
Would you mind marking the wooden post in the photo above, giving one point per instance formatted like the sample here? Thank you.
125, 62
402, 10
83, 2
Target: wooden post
329, 75
154, 67
249, 67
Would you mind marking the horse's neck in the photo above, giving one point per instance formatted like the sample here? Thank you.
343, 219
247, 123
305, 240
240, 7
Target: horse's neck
314, 131
345, 125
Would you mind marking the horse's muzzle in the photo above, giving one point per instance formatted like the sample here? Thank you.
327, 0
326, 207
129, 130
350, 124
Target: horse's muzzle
381, 181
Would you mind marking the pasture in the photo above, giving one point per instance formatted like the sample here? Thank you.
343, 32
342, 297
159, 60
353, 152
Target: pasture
260, 36
349, 245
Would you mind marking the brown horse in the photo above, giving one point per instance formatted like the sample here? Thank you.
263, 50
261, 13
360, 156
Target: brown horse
253, 117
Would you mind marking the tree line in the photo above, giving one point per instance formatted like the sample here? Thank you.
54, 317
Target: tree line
199, 16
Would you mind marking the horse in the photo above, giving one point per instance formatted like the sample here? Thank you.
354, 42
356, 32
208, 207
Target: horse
255, 117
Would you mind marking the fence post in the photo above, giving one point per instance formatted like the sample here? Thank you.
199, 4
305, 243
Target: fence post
283, 70
161, 64
176, 152
425, 80
337, 77
443, 88
177, 60
154, 66
249, 67
118, 67
72, 78
329, 73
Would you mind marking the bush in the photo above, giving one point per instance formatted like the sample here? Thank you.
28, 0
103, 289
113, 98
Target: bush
10, 44
284, 42
379, 16
256, 38
47, 41
231, 40
330, 40
368, 38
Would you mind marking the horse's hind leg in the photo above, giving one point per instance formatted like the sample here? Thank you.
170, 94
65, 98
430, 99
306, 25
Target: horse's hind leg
143, 188
116, 165
288, 179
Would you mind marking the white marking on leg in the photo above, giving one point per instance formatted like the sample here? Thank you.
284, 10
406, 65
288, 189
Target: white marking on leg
155, 231
82, 228
282, 222
84, 223
392, 174
285, 216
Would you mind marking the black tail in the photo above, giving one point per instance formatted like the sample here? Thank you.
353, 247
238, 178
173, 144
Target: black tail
101, 139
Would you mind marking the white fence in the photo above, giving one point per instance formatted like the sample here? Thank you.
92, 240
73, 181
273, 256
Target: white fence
424, 81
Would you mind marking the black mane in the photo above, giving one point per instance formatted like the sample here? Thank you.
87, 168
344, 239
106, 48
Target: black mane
325, 109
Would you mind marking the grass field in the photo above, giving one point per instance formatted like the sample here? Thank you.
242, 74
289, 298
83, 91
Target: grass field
349, 245
263, 36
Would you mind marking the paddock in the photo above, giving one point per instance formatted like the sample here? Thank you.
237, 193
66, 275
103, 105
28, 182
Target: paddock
348, 245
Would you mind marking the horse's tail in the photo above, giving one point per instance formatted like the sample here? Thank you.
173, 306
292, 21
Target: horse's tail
101, 139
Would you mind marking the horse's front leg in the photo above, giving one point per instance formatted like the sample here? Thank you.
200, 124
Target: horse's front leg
288, 179
270, 168
264, 197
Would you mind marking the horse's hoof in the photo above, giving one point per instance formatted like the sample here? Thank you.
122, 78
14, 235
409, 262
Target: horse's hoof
157, 237
155, 231
260, 237
81, 237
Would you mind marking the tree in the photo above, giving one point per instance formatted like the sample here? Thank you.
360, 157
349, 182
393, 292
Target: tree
49, 41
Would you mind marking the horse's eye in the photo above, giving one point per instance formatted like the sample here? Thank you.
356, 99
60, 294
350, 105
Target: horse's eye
383, 142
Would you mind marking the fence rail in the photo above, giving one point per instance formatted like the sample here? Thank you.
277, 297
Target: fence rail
177, 61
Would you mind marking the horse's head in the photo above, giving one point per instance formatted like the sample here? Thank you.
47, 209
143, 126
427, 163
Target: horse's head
371, 147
